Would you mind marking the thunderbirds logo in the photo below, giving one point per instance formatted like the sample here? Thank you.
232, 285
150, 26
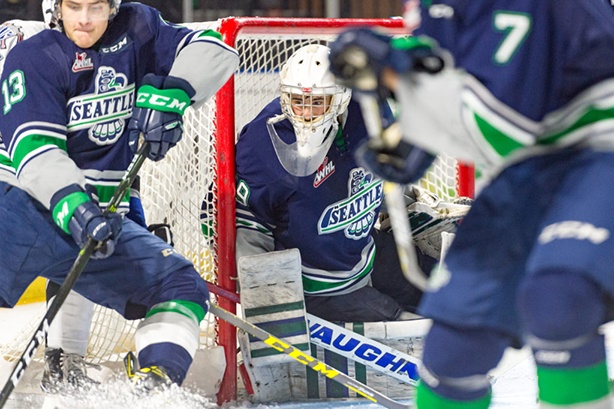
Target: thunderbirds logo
104, 112
356, 214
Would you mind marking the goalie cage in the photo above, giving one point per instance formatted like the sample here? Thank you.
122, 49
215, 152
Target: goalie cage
201, 167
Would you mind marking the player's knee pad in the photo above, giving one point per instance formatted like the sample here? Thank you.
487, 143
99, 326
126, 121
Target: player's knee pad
185, 285
457, 360
560, 305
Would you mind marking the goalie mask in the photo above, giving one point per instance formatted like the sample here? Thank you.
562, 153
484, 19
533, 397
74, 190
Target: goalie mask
312, 102
51, 10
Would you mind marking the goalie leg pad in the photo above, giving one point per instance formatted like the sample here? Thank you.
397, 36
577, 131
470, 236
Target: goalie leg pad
272, 298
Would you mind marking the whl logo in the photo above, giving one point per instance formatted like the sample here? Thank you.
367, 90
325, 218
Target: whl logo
324, 171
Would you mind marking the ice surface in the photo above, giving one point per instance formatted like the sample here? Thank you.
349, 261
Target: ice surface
514, 387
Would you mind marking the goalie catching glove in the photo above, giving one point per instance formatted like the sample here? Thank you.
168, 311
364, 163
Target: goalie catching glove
158, 113
429, 216
77, 214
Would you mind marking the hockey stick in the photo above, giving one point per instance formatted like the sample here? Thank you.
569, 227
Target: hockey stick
69, 282
307, 360
393, 193
369, 352
405, 362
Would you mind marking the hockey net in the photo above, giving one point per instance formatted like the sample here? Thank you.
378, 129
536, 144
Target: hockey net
201, 167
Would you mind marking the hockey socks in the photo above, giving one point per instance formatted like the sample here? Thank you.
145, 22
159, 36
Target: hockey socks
457, 379
578, 388
168, 337
562, 311
426, 398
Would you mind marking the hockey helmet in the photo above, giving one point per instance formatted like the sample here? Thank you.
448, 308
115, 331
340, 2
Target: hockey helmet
51, 9
312, 102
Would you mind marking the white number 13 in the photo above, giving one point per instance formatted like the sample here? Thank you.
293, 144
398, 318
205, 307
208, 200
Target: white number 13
13, 89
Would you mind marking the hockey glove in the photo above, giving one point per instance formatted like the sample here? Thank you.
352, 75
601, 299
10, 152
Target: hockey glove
358, 56
402, 164
163, 231
158, 113
76, 214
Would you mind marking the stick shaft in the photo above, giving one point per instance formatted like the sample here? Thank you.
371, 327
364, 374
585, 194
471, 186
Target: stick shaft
307, 360
393, 196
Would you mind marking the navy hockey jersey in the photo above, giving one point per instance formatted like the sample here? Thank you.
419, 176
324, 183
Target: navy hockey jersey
328, 216
65, 123
11, 33
532, 74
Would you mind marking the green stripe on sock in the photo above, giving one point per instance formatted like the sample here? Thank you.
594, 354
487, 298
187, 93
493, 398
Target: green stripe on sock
188, 308
573, 386
427, 399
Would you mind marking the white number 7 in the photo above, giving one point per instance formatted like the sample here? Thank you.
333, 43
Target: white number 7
517, 27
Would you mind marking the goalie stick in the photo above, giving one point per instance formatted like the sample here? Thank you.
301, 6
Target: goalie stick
307, 360
71, 278
380, 358
393, 193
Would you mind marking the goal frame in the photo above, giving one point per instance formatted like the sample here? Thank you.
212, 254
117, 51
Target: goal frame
231, 28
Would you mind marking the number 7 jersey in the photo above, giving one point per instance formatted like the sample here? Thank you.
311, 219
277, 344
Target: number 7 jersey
532, 75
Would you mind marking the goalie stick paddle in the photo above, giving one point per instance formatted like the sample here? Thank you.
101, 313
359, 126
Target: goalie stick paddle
71, 278
393, 193
307, 360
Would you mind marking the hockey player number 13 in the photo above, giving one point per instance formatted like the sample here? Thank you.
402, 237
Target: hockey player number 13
516, 27
13, 90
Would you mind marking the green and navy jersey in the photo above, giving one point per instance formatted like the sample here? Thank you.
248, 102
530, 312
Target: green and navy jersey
532, 76
11, 33
65, 109
328, 216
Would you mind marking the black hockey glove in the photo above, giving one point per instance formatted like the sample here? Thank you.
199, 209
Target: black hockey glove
163, 231
358, 56
402, 164
76, 213
158, 113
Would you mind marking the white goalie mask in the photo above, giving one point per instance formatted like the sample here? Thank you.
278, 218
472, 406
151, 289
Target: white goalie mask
51, 10
312, 102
